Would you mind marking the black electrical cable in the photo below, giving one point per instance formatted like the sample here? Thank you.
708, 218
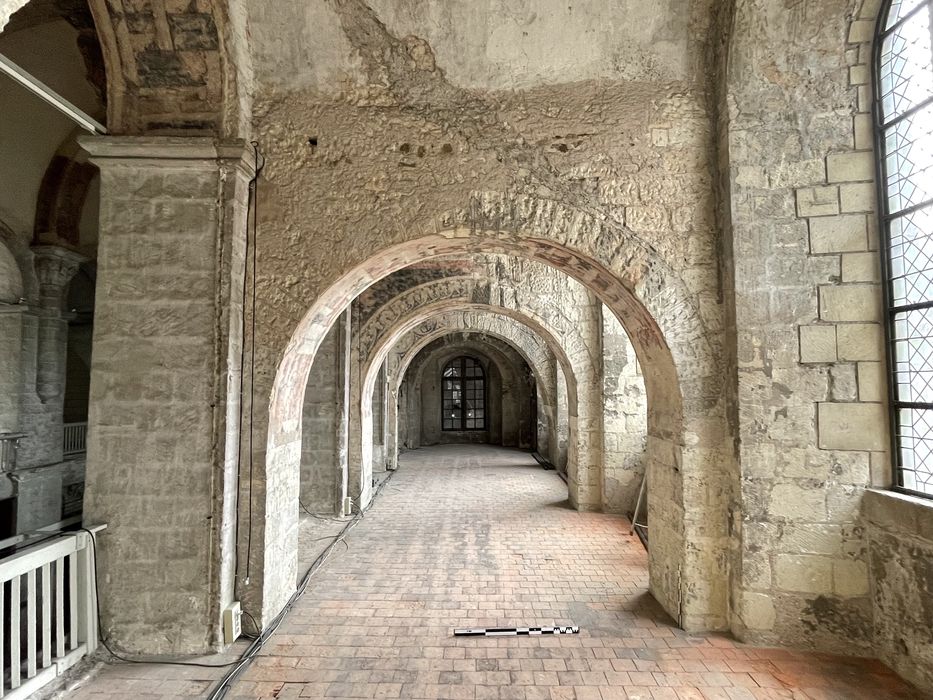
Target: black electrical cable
316, 516
250, 653
253, 623
100, 627
257, 641
259, 162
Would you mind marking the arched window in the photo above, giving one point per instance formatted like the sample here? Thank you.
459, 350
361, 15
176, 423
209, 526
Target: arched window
904, 143
463, 395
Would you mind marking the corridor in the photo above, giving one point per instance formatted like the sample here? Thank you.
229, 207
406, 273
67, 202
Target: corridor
482, 536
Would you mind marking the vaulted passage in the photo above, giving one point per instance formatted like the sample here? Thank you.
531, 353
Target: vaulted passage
477, 535
258, 257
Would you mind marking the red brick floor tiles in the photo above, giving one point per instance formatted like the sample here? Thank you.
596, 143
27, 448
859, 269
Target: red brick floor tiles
474, 536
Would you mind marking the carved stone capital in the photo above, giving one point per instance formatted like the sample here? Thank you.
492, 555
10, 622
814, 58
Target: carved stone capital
55, 268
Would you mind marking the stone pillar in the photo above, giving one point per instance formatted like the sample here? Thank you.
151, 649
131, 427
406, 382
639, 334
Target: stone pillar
11, 366
360, 452
11, 332
320, 473
392, 430
163, 435
625, 419
562, 424
55, 268
380, 394
586, 426
344, 338
44, 333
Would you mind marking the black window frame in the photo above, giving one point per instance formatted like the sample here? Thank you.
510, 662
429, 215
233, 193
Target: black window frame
885, 218
461, 363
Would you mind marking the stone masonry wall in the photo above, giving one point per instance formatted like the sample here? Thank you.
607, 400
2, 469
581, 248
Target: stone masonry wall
161, 440
812, 420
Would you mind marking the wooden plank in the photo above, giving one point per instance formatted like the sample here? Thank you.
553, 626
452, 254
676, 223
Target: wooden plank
31, 624
59, 608
16, 656
73, 600
46, 615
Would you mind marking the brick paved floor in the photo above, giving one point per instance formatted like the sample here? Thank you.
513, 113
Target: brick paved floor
478, 536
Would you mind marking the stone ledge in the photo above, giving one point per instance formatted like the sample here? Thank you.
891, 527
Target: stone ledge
894, 510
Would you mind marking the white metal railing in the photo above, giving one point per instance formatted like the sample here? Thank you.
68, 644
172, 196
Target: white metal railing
9, 443
75, 439
49, 611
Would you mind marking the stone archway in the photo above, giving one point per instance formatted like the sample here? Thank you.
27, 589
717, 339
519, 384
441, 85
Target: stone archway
687, 442
503, 390
400, 340
567, 329
521, 339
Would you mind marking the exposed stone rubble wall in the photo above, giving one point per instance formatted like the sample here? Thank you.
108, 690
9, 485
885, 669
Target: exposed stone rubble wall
398, 152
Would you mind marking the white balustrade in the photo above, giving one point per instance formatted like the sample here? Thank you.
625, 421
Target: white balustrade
74, 439
49, 610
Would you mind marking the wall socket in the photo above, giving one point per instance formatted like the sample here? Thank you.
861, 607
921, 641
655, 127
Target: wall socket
348, 506
233, 623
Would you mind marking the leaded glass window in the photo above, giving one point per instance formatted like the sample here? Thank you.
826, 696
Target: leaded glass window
904, 137
463, 395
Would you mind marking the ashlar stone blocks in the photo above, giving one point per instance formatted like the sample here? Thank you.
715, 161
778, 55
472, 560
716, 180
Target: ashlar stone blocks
166, 353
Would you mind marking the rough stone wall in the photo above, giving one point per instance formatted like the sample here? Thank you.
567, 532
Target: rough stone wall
812, 423
390, 287
397, 140
625, 420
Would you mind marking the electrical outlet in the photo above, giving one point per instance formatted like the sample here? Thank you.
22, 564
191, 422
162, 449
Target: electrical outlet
348, 506
233, 623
